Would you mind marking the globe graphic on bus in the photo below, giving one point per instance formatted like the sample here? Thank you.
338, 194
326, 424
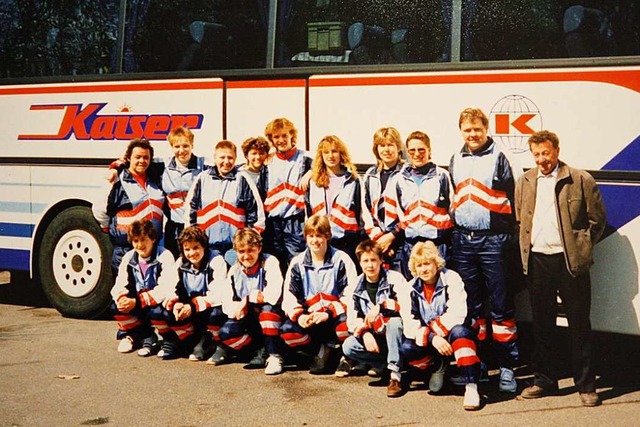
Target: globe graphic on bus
513, 119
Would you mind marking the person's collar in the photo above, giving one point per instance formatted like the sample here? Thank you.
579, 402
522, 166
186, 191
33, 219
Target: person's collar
287, 154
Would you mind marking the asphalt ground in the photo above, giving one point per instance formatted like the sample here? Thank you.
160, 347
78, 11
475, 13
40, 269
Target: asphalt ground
56, 371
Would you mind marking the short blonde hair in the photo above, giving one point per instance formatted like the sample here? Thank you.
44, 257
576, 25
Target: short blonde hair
471, 114
180, 132
382, 136
246, 237
424, 252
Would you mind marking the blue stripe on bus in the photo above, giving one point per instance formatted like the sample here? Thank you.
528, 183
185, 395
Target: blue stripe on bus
14, 259
622, 203
9, 229
626, 160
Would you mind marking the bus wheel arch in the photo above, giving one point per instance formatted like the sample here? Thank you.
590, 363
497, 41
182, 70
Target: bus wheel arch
73, 262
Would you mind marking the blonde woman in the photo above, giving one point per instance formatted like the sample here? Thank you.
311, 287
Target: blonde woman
335, 192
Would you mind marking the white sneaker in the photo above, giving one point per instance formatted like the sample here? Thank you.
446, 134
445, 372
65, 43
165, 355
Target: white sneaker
273, 365
125, 345
471, 400
507, 382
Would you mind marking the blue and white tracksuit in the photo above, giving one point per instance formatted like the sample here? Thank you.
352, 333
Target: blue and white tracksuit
387, 326
344, 213
310, 288
202, 289
176, 180
149, 289
373, 212
221, 205
257, 292
419, 205
485, 223
444, 315
125, 202
285, 205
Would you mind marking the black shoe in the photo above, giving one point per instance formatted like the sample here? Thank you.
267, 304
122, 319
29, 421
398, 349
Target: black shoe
590, 399
258, 361
320, 364
168, 351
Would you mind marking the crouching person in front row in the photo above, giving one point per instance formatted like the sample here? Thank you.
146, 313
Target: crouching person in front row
436, 329
375, 319
251, 300
317, 289
194, 307
145, 275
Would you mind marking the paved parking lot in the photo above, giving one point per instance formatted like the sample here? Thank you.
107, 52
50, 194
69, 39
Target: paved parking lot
56, 371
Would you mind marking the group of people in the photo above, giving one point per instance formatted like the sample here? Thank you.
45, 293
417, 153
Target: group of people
398, 271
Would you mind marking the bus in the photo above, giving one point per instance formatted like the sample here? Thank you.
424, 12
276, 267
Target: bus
78, 80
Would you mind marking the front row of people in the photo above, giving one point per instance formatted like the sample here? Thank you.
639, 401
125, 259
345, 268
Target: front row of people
206, 310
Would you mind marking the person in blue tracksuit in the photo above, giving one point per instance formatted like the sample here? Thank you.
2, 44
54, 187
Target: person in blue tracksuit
196, 298
484, 233
437, 327
135, 195
419, 199
387, 149
289, 172
317, 290
145, 276
252, 301
335, 191
375, 320
223, 200
256, 152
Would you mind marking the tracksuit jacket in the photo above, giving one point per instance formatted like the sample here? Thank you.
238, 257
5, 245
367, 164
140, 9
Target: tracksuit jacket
285, 198
202, 288
176, 183
419, 205
220, 205
241, 284
373, 206
149, 289
484, 190
391, 288
448, 308
346, 215
326, 288
126, 202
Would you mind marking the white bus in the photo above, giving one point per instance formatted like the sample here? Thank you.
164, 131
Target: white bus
75, 90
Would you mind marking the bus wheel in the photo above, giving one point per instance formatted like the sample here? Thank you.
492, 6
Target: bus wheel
75, 264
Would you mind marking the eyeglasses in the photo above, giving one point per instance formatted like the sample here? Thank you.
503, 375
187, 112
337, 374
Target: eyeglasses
414, 151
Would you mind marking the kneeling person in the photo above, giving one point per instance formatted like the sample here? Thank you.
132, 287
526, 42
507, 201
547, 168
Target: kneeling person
251, 299
375, 320
145, 275
436, 328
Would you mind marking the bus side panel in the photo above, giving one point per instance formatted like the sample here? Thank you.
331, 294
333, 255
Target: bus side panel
253, 104
16, 224
592, 112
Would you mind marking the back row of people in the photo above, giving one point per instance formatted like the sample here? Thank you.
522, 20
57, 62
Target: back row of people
467, 212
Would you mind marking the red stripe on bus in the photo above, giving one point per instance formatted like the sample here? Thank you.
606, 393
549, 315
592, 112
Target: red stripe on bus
258, 84
131, 87
625, 78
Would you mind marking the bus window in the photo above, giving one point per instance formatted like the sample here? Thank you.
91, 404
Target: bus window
539, 29
58, 38
333, 32
195, 35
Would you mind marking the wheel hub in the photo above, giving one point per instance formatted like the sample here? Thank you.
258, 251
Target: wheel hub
76, 263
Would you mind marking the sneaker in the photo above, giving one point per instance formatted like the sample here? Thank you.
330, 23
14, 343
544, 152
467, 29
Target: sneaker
507, 382
126, 345
436, 381
484, 376
273, 365
471, 400
320, 363
258, 360
375, 371
590, 399
168, 351
219, 357
201, 348
344, 368
394, 389
148, 346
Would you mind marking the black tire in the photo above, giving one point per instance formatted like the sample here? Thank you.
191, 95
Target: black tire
74, 264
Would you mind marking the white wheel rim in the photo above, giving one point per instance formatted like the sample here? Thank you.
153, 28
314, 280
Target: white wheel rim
77, 260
